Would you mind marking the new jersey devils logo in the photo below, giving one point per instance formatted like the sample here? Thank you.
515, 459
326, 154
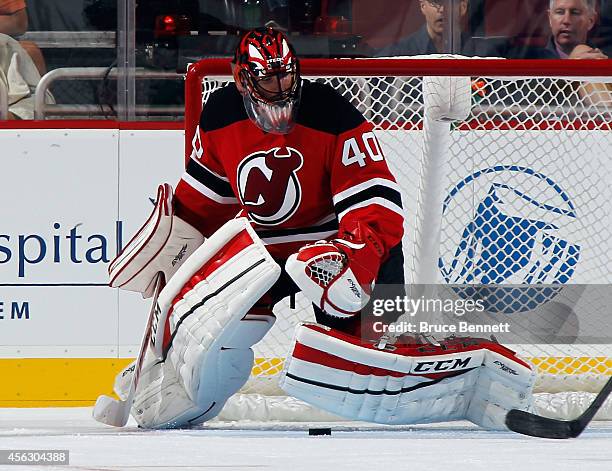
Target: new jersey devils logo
268, 185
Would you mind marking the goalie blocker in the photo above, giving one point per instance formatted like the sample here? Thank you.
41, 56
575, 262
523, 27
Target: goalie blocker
161, 245
461, 378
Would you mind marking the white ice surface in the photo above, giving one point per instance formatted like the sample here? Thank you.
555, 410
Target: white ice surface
456, 446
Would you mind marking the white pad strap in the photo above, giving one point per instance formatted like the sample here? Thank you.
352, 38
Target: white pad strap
206, 304
161, 244
463, 379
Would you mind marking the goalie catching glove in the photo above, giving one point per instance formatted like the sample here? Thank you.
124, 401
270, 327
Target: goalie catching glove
461, 378
339, 275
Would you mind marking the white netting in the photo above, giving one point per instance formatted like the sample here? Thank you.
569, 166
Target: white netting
522, 185
324, 268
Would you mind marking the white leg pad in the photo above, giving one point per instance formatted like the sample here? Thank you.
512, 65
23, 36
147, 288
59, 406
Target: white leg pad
210, 355
161, 401
460, 379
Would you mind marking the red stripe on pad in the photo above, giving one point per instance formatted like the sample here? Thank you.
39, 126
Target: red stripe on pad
465, 344
238, 243
312, 355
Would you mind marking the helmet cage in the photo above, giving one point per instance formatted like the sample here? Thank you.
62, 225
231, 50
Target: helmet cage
268, 71
272, 87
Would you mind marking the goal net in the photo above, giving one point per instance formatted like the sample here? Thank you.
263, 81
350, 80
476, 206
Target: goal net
506, 171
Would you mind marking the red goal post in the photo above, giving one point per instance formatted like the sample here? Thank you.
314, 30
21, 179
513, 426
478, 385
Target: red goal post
446, 124
220, 67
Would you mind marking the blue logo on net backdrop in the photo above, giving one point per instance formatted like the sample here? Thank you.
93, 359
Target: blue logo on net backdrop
511, 237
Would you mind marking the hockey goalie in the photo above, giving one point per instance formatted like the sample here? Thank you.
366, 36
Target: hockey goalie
287, 190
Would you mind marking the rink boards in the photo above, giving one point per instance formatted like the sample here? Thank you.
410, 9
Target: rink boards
73, 197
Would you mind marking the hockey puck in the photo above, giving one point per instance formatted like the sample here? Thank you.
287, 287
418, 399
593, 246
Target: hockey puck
319, 431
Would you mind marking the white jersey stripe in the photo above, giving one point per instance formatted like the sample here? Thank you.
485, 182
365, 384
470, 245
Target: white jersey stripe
298, 237
326, 219
363, 186
379, 201
196, 185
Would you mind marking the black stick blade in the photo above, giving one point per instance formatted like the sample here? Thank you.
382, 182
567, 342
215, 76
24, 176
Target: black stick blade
537, 426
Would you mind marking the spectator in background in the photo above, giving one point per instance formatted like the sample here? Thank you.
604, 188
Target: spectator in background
13, 17
21, 62
429, 39
14, 22
570, 23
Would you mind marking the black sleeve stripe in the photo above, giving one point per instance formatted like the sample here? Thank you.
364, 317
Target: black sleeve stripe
376, 191
209, 179
328, 226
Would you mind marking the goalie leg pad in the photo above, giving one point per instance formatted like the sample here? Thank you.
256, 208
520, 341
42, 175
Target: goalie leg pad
162, 401
470, 379
205, 305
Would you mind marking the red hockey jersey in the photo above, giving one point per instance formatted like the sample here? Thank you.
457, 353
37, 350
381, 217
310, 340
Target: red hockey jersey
307, 185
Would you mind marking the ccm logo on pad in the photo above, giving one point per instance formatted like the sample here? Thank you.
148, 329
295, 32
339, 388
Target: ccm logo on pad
442, 365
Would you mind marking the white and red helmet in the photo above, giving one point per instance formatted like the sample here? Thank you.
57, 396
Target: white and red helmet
267, 72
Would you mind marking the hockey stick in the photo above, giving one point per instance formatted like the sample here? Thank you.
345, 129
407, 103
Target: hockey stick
544, 427
115, 412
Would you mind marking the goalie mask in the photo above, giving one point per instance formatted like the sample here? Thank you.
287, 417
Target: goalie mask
267, 74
